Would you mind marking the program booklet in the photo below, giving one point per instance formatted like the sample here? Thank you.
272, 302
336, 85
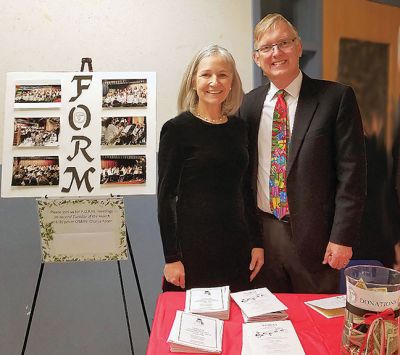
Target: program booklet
329, 307
193, 333
271, 338
212, 301
259, 305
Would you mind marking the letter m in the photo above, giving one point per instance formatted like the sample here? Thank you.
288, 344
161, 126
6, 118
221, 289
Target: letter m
75, 177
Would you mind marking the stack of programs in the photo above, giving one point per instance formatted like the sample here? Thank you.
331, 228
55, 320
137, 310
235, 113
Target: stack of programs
212, 302
259, 305
193, 333
271, 338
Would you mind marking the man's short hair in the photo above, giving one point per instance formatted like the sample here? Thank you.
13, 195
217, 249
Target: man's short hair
268, 22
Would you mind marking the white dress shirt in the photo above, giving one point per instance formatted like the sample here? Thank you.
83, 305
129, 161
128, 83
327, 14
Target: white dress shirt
265, 134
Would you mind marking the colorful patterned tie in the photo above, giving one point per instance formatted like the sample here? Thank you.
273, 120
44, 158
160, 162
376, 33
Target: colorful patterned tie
277, 181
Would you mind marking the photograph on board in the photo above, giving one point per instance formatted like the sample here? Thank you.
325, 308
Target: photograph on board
35, 171
123, 169
37, 95
123, 131
36, 131
124, 93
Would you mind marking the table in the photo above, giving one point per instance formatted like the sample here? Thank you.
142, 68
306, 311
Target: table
318, 335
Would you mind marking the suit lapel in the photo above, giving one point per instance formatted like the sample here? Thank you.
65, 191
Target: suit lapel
254, 113
258, 106
306, 107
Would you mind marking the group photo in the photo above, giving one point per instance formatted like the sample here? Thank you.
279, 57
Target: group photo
124, 93
123, 130
36, 131
124, 169
35, 171
37, 94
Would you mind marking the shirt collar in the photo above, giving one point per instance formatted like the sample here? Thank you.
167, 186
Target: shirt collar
293, 89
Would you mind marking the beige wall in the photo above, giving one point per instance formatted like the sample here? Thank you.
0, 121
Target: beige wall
364, 20
123, 35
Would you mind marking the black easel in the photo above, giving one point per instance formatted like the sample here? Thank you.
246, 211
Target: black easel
35, 296
137, 282
87, 61
28, 328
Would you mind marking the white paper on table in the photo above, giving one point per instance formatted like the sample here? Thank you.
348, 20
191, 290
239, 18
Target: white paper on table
207, 299
258, 301
197, 331
246, 350
329, 303
272, 338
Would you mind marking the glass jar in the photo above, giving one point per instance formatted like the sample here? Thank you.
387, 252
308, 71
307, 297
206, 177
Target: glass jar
372, 311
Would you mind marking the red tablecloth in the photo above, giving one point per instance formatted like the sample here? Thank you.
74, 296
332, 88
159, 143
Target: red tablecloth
318, 335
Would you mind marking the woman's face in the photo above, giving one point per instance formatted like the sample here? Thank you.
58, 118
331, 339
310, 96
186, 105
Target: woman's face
213, 81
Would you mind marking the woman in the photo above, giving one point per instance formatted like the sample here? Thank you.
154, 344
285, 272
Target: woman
202, 163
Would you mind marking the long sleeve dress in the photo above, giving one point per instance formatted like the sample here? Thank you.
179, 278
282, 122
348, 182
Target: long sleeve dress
201, 201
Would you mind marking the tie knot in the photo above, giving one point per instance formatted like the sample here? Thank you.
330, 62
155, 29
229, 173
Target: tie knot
281, 93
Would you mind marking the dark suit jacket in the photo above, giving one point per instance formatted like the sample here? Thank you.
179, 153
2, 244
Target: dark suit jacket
326, 173
396, 166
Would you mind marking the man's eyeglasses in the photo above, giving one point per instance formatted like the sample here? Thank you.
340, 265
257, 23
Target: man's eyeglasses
286, 44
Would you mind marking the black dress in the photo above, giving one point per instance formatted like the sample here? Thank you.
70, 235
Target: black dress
201, 201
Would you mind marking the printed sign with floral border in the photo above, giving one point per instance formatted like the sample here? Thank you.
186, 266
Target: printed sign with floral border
82, 229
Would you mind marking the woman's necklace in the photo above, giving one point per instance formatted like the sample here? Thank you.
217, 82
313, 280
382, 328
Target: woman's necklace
220, 120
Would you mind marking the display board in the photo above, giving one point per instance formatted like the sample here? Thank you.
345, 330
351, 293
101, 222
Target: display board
79, 134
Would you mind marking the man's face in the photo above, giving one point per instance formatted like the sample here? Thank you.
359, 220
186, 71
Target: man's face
280, 65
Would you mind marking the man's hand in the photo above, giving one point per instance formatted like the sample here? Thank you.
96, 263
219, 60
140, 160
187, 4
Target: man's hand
175, 273
257, 260
337, 256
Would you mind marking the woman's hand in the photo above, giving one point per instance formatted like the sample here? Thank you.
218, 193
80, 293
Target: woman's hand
175, 273
257, 261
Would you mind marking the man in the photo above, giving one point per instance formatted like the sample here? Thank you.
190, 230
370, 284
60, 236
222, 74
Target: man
318, 174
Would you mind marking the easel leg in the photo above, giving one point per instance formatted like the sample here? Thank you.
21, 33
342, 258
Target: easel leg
137, 282
125, 307
28, 328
